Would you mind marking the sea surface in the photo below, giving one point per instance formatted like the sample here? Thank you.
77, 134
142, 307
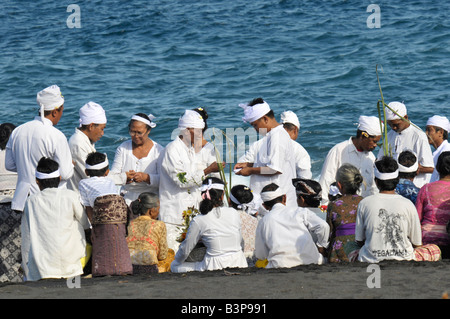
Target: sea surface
316, 58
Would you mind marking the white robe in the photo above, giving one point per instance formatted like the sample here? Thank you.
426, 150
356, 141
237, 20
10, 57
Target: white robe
285, 237
220, 232
444, 147
346, 152
27, 144
415, 140
53, 240
274, 150
124, 160
80, 147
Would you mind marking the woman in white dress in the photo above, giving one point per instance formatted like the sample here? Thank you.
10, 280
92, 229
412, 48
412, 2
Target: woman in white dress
218, 228
136, 160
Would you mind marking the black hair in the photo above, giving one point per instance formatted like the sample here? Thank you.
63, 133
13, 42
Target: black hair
47, 166
260, 100
443, 164
444, 132
95, 158
387, 165
270, 188
5, 132
242, 193
310, 189
206, 205
145, 116
204, 115
407, 159
289, 126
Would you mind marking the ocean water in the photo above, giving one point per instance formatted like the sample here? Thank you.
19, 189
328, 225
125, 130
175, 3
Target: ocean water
316, 58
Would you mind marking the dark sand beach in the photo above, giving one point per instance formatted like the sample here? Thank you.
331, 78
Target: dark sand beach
388, 280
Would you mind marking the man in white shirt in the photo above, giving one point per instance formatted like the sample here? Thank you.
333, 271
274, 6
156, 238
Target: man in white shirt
36, 139
82, 142
406, 136
387, 224
273, 162
284, 236
437, 133
356, 151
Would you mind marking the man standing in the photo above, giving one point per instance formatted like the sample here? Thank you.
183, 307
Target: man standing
302, 159
36, 139
406, 136
437, 133
356, 151
82, 142
273, 160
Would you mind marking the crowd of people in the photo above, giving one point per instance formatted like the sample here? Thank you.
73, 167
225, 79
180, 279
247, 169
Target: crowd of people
64, 212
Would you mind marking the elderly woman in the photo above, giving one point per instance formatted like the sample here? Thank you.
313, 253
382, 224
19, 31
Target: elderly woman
433, 207
136, 161
147, 237
341, 213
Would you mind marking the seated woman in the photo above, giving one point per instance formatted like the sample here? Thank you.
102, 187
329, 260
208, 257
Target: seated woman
136, 161
241, 199
108, 214
219, 229
147, 237
433, 207
341, 213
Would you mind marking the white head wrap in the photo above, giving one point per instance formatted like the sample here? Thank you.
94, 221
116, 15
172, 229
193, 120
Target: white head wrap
384, 176
412, 168
144, 120
49, 99
255, 112
399, 108
370, 124
290, 117
206, 187
92, 112
439, 121
99, 165
191, 119
268, 196
41, 175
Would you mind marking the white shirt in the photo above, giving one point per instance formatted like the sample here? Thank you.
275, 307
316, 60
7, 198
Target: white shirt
284, 237
415, 140
27, 144
175, 195
301, 158
80, 147
389, 225
53, 240
93, 187
274, 150
346, 152
124, 160
220, 232
444, 147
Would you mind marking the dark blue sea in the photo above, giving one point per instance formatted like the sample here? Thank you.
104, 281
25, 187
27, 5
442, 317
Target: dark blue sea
316, 58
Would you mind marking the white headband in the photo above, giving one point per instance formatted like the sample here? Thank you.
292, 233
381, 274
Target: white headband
404, 169
255, 112
210, 185
98, 166
268, 196
384, 176
40, 175
143, 120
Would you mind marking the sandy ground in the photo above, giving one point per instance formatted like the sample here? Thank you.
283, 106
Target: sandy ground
387, 280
